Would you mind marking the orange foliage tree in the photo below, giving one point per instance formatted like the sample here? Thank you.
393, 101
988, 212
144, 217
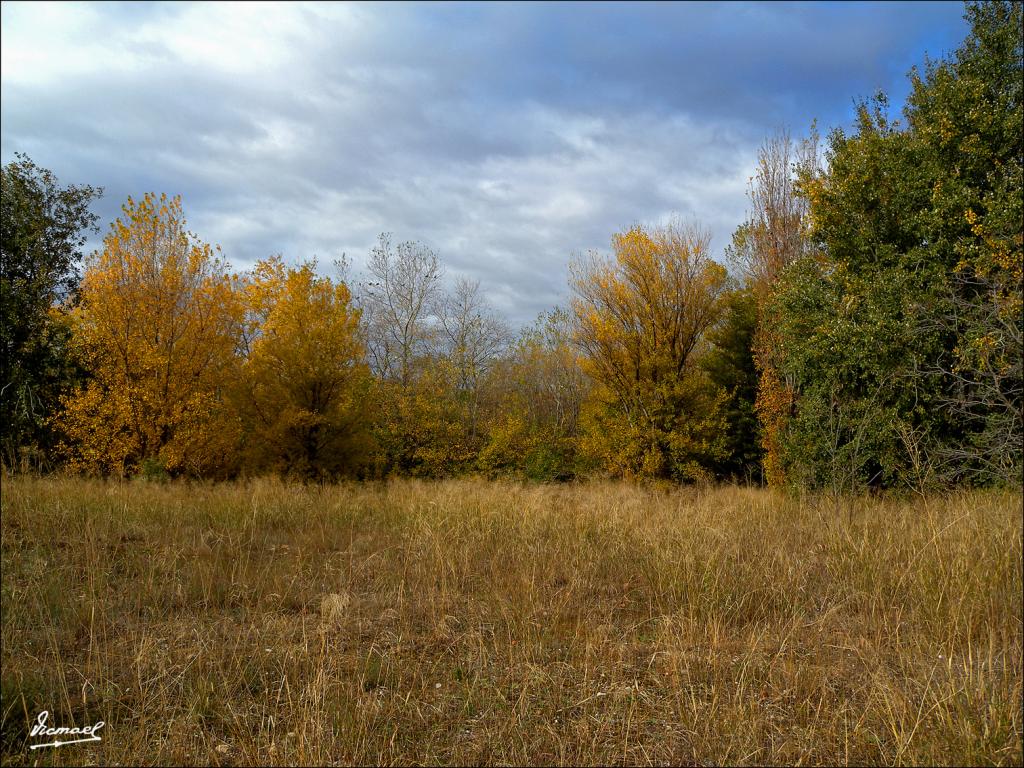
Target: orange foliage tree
305, 381
156, 327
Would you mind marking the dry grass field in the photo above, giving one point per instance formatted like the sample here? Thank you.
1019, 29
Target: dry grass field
478, 622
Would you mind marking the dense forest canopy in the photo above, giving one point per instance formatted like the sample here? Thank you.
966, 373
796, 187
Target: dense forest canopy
870, 333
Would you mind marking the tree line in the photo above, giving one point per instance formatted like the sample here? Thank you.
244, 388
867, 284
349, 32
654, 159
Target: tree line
867, 330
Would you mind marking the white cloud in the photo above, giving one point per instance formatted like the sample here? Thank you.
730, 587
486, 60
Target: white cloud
44, 42
506, 137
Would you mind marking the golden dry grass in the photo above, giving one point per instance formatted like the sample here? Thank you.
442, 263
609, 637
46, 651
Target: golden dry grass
478, 622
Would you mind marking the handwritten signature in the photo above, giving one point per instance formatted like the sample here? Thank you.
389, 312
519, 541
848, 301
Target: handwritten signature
87, 733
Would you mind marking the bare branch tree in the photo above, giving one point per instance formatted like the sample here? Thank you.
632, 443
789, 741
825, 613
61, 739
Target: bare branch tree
984, 380
473, 337
546, 370
774, 235
398, 302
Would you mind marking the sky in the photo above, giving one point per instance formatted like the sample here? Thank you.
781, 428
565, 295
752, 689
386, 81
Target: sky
507, 137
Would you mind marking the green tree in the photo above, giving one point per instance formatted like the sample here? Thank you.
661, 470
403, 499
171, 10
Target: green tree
43, 227
969, 119
731, 367
902, 327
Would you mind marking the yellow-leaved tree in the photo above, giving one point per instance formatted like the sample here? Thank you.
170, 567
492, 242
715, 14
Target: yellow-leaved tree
156, 326
641, 319
305, 381
536, 392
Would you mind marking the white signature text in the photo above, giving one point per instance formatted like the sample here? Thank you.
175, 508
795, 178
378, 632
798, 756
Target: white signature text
86, 733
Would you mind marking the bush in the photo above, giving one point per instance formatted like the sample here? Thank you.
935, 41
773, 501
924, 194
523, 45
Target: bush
153, 469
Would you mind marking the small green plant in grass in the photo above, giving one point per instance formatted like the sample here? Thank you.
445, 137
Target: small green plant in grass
154, 470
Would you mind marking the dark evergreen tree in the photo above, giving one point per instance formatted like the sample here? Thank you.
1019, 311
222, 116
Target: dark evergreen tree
42, 231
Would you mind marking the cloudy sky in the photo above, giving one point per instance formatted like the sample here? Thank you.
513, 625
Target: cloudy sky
505, 136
